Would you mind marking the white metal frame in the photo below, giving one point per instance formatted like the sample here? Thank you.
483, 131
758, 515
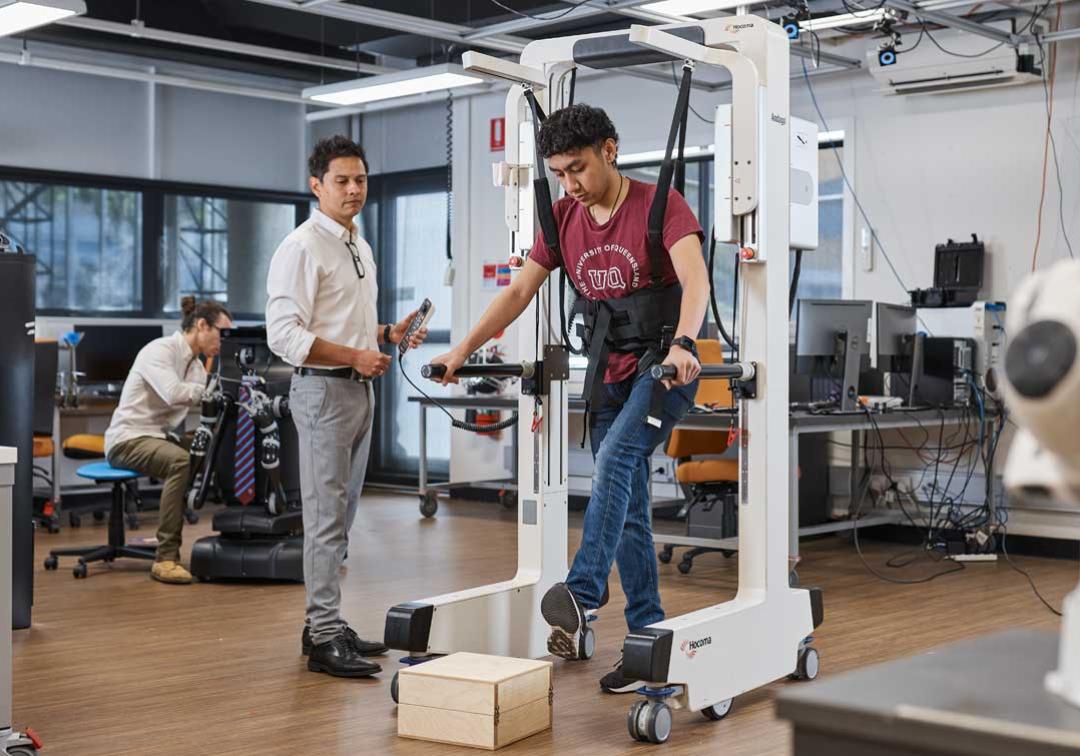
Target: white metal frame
757, 637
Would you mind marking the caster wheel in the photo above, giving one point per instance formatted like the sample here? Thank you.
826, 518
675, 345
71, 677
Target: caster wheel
429, 504
793, 579
79, 570
74, 520
132, 522
718, 711
649, 722
685, 566
808, 665
51, 562
54, 527
508, 499
665, 555
22, 751
632, 719
191, 516
394, 688
99, 517
728, 553
588, 645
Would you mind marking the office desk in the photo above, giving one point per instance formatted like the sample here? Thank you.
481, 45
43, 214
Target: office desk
801, 423
981, 696
90, 412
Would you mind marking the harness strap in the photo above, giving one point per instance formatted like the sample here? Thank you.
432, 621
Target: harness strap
658, 208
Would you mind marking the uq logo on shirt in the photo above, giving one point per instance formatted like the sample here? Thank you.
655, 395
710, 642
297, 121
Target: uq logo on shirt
612, 278
604, 270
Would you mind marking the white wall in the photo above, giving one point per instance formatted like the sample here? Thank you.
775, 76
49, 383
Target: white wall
79, 123
932, 167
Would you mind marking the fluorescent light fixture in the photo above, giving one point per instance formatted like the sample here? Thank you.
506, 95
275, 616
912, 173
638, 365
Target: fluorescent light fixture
21, 15
653, 157
413, 81
690, 7
843, 19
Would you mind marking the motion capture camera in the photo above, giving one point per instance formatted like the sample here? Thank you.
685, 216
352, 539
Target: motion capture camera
800, 11
790, 25
886, 55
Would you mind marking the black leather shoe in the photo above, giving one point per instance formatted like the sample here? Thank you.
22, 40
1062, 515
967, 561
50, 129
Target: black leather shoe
361, 646
337, 657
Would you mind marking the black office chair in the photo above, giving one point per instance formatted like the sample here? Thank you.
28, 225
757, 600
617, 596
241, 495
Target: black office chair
46, 358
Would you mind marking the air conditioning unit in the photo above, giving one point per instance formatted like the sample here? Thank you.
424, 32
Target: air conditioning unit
928, 69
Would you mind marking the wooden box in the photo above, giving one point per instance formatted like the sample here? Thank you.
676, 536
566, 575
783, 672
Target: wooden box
474, 700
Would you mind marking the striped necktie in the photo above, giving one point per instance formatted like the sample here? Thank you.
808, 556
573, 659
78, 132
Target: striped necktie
244, 453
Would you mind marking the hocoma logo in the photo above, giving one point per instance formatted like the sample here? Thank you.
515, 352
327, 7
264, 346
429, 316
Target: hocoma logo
612, 278
690, 648
779, 119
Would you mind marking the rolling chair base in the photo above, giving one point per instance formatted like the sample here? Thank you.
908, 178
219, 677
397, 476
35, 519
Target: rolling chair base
117, 546
95, 554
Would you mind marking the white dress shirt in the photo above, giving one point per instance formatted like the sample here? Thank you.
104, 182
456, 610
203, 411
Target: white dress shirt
165, 382
313, 290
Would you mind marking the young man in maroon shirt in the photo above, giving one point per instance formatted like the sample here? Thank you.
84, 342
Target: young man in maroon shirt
602, 226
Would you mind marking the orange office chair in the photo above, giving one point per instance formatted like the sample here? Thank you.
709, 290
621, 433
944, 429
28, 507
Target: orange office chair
711, 486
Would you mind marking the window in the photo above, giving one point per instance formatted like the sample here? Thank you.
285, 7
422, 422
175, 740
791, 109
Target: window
88, 243
821, 275
218, 248
131, 247
404, 220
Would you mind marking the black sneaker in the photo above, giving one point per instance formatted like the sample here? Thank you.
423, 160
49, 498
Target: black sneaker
337, 657
361, 646
570, 636
615, 682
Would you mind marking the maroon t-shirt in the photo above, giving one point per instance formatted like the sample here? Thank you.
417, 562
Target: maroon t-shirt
611, 260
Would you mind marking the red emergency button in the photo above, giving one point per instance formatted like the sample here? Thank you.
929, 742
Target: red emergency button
747, 253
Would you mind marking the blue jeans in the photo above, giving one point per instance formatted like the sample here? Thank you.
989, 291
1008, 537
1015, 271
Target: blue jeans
618, 520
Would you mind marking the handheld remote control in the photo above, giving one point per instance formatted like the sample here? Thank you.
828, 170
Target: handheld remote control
423, 315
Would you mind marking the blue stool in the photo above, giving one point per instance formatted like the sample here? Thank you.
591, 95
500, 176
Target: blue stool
103, 472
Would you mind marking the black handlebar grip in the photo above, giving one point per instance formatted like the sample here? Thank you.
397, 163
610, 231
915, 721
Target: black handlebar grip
434, 371
660, 372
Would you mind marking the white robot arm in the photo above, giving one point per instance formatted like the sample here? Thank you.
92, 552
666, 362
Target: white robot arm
1042, 387
1042, 392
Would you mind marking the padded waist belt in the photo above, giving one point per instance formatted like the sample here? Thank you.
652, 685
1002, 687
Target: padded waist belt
634, 324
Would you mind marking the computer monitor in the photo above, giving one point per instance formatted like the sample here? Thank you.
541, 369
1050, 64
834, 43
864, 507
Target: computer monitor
896, 326
107, 352
831, 339
900, 350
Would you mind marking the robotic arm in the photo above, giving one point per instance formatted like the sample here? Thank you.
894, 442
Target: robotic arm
204, 443
1042, 388
265, 411
1042, 391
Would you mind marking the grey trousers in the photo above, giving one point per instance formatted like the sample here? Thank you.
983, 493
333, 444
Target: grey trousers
333, 419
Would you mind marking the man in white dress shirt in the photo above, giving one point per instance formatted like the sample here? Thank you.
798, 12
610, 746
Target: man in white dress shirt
165, 382
321, 318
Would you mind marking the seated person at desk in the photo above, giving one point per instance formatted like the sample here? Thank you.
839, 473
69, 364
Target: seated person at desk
165, 382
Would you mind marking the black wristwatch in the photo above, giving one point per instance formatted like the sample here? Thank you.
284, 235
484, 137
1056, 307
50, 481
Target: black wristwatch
686, 343
386, 334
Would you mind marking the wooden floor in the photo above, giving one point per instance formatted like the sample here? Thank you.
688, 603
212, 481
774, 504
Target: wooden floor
119, 664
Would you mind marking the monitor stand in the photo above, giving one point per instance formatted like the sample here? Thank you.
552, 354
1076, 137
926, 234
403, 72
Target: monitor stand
917, 353
848, 351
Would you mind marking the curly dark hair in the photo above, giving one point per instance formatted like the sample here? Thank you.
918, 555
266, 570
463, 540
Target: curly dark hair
574, 128
333, 147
